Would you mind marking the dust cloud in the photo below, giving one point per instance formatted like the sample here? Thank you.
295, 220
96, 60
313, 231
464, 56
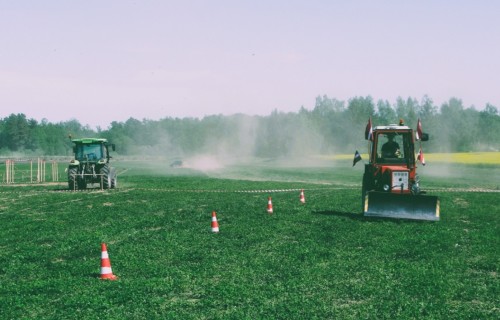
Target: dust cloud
203, 163
247, 143
294, 145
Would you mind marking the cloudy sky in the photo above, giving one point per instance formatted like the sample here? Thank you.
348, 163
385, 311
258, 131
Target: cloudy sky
100, 61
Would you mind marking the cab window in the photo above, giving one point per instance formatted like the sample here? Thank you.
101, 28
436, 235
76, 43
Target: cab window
391, 147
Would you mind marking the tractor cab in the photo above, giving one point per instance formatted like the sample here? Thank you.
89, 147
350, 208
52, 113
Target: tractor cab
91, 150
392, 159
393, 145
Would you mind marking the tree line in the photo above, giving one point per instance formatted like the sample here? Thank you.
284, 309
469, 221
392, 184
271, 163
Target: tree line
331, 127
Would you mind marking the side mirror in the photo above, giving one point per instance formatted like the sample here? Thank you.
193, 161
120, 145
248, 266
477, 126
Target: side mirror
113, 147
425, 137
74, 149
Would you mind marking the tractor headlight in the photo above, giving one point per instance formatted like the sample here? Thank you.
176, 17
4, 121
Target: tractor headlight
386, 187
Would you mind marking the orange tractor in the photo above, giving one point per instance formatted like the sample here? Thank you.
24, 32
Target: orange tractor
391, 186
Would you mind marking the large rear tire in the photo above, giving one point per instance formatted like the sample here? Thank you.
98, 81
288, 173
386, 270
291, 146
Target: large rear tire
105, 177
72, 177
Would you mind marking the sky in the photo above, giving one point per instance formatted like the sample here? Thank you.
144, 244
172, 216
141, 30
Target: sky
100, 61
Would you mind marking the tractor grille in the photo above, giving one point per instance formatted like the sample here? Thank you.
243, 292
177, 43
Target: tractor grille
398, 178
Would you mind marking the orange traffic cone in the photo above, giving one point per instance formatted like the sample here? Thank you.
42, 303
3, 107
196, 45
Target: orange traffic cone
302, 198
215, 224
106, 272
269, 206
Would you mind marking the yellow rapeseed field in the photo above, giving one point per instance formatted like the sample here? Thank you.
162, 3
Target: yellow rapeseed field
461, 157
465, 157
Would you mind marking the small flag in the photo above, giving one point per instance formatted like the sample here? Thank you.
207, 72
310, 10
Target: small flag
420, 157
357, 157
369, 130
419, 130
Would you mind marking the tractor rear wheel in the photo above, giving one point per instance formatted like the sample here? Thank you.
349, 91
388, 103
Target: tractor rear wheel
105, 177
72, 177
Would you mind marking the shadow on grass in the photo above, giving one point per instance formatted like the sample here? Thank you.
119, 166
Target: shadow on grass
90, 189
360, 217
350, 215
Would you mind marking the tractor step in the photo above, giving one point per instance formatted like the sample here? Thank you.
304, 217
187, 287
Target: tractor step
401, 206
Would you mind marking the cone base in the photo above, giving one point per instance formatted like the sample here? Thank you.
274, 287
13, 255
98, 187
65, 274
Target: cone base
109, 277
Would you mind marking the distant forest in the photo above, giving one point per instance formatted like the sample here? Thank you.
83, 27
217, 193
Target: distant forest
331, 127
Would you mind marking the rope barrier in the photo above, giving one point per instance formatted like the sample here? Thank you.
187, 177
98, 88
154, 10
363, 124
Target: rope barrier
256, 191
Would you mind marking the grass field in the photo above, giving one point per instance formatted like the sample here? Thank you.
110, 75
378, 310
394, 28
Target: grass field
318, 260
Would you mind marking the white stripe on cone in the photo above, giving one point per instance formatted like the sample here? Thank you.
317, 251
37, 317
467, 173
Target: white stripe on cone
106, 270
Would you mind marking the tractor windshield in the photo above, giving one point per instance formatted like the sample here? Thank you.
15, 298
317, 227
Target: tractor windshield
393, 147
89, 152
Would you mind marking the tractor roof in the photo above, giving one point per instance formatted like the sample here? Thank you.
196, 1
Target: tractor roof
89, 140
394, 127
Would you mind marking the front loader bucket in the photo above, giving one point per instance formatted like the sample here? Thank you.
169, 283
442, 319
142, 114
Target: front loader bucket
403, 206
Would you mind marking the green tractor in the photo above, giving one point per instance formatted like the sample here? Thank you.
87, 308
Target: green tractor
91, 164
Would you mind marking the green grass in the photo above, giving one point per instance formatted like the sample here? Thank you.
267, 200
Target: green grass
319, 260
